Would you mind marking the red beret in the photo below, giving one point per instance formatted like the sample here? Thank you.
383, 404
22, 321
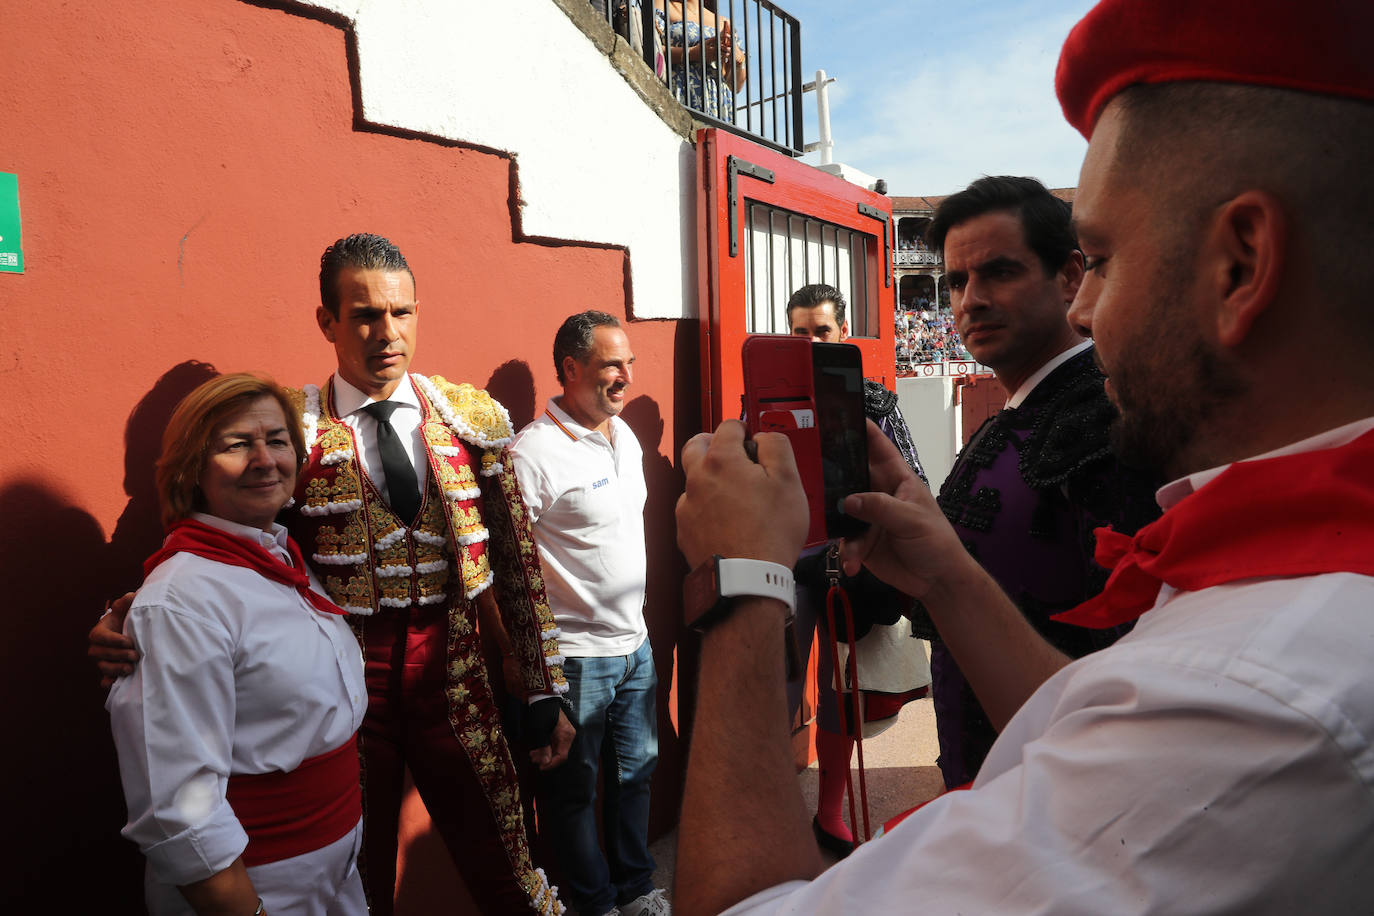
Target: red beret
1322, 46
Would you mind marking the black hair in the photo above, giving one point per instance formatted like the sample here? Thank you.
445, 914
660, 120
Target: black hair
814, 294
363, 251
1045, 219
577, 335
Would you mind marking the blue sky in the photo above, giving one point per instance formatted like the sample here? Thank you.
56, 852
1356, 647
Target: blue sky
932, 95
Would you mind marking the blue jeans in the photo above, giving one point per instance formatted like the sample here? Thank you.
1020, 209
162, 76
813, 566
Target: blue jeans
614, 710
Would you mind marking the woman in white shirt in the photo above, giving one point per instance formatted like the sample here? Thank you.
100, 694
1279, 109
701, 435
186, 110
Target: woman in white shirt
236, 732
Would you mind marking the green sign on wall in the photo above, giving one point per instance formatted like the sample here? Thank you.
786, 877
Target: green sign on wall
11, 244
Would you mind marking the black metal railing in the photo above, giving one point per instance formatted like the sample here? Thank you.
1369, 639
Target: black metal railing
745, 78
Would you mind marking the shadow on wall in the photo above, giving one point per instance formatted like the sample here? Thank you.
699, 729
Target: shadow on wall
60, 572
513, 385
687, 422
68, 841
139, 529
663, 597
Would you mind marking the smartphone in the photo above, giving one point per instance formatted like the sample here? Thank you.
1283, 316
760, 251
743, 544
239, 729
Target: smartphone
779, 396
813, 394
838, 384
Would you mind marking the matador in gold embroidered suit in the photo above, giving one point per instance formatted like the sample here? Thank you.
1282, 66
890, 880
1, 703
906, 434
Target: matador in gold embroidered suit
413, 596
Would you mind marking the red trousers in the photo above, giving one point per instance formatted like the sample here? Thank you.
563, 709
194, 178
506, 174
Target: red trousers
431, 708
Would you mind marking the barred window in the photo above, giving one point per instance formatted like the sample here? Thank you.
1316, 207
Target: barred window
784, 251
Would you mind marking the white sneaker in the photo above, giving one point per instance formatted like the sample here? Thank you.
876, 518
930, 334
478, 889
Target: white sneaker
654, 903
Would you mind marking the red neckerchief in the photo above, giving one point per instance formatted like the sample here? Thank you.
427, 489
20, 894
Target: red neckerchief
206, 541
1291, 515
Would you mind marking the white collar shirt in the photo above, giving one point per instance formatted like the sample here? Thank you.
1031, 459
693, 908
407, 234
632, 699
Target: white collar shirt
1019, 396
239, 674
406, 420
585, 494
1216, 759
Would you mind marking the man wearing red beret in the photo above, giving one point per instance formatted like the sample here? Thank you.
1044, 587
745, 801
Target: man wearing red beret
1218, 758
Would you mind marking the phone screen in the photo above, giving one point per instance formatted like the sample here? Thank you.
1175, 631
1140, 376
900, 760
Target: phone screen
839, 386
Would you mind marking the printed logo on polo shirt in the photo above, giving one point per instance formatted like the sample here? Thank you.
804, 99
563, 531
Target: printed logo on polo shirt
601, 483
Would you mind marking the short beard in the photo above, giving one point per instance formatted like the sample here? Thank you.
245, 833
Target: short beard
1160, 430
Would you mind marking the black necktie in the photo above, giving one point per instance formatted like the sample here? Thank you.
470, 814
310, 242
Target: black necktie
403, 492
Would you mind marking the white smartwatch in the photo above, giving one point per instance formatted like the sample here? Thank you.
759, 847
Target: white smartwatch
708, 593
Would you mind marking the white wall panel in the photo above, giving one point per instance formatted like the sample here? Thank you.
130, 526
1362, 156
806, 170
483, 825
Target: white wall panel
595, 163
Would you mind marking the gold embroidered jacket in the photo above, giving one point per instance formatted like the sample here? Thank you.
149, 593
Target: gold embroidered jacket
473, 531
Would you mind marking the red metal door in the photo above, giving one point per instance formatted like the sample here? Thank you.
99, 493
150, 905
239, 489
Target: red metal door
767, 225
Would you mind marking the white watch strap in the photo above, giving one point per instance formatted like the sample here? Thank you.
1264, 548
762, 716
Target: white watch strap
757, 577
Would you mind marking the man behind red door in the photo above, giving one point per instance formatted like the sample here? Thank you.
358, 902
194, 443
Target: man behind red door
1218, 758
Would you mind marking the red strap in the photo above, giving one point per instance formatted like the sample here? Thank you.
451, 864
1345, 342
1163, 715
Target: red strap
854, 716
290, 814
1294, 515
204, 540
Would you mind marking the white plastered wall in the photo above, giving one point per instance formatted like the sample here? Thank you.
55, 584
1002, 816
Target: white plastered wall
595, 163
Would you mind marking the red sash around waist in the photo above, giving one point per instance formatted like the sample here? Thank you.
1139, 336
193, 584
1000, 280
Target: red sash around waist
290, 814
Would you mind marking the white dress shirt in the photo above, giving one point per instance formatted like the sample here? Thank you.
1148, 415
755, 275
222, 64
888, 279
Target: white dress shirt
239, 674
585, 494
406, 420
1217, 759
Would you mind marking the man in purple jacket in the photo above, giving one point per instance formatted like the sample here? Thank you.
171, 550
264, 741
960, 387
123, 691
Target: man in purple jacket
1037, 478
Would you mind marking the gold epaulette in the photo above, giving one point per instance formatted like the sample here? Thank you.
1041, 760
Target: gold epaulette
476, 409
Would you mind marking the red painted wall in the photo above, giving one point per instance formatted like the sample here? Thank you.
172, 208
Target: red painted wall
181, 167
979, 397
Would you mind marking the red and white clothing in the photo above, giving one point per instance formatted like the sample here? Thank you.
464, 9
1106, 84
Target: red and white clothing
241, 675
1217, 759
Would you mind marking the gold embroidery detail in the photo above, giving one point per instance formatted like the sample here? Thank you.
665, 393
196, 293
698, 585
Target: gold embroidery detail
351, 542
334, 438
475, 407
475, 569
467, 520
437, 433
316, 492
459, 478
355, 590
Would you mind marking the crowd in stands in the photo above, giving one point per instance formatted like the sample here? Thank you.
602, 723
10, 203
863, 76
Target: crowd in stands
927, 334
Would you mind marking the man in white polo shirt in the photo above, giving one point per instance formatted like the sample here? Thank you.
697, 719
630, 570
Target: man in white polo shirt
582, 476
